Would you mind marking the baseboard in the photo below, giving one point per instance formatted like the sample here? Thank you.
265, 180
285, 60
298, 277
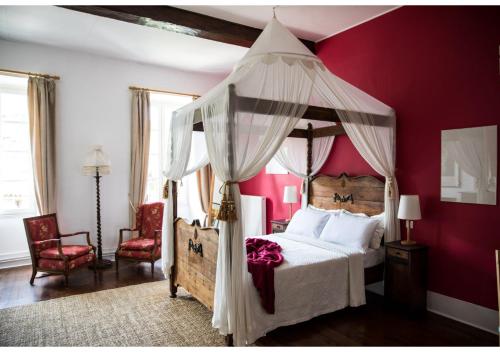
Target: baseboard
468, 313
465, 312
14, 259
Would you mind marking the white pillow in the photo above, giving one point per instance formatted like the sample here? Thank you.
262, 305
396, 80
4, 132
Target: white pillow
349, 230
307, 222
378, 234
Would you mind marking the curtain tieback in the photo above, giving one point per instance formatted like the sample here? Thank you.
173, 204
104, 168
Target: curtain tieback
304, 184
390, 187
227, 211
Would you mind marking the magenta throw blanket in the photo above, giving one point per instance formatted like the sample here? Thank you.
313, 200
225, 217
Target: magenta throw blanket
262, 257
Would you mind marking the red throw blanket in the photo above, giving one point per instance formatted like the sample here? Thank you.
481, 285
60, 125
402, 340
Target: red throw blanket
262, 257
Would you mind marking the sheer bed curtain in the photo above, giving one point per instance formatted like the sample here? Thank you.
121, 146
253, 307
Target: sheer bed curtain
41, 109
371, 126
181, 158
239, 144
292, 155
140, 137
189, 205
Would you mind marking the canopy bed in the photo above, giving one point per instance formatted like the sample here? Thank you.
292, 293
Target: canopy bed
247, 119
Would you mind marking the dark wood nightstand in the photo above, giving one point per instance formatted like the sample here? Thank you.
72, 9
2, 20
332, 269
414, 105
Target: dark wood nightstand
405, 282
279, 225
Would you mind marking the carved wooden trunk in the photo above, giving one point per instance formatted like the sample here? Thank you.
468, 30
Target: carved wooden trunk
195, 260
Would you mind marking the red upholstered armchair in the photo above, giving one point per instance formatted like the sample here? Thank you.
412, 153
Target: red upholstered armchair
47, 252
147, 246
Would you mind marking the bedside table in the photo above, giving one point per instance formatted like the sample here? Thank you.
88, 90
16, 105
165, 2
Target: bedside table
279, 225
405, 282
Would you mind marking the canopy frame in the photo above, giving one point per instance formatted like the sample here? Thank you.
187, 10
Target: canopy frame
268, 107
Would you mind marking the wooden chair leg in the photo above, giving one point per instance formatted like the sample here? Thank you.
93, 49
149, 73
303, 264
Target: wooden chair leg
33, 277
152, 269
66, 281
116, 263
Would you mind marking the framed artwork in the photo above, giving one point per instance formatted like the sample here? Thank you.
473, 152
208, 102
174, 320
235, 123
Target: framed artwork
469, 165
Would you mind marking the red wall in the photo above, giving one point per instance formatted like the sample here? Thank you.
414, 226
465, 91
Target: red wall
438, 67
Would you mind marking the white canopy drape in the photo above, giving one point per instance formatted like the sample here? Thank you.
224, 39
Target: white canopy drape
279, 77
292, 155
185, 152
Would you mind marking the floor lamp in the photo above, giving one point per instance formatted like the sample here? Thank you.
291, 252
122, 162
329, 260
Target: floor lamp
97, 164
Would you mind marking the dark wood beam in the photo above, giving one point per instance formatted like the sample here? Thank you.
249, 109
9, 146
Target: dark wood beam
328, 131
181, 21
268, 107
297, 133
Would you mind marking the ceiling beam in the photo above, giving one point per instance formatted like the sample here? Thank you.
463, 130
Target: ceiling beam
177, 20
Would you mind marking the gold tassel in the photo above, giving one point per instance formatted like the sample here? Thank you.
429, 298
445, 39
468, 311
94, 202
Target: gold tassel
165, 190
227, 210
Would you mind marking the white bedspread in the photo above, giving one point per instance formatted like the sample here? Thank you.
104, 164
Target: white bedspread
315, 278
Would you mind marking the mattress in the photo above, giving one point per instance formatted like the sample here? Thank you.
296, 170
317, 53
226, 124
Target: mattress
373, 257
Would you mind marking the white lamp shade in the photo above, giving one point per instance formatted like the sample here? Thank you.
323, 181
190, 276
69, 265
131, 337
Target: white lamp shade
409, 208
94, 159
290, 194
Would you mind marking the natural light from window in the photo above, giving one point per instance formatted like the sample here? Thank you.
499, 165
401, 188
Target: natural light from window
161, 109
16, 173
188, 198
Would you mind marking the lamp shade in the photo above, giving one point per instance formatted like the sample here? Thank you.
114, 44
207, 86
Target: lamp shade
409, 208
96, 159
290, 194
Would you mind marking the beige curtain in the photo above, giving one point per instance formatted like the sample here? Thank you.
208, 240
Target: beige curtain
139, 150
205, 185
42, 115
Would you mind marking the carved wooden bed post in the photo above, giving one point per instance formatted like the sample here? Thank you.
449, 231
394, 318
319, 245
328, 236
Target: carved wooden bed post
230, 157
173, 287
310, 137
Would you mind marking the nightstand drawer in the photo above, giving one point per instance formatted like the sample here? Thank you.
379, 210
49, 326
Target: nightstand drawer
394, 252
278, 228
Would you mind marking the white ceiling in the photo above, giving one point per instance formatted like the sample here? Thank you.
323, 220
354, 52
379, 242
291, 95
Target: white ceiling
307, 22
78, 31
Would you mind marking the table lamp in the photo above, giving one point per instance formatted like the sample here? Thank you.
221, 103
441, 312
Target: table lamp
409, 210
290, 197
96, 164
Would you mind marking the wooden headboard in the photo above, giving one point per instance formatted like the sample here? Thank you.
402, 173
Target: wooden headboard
358, 194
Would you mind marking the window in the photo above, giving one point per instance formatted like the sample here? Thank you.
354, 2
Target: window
188, 201
162, 106
17, 193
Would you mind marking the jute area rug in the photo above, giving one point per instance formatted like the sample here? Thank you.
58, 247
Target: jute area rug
139, 315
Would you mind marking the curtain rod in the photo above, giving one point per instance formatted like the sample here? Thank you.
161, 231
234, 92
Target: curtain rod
29, 74
163, 91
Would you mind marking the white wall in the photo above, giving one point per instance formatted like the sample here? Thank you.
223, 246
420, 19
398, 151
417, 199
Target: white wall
93, 107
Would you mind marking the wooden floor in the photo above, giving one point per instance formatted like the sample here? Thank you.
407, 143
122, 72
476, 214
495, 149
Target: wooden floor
370, 325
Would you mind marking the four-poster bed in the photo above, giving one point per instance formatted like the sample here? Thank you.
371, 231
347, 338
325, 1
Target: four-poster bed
195, 247
246, 120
